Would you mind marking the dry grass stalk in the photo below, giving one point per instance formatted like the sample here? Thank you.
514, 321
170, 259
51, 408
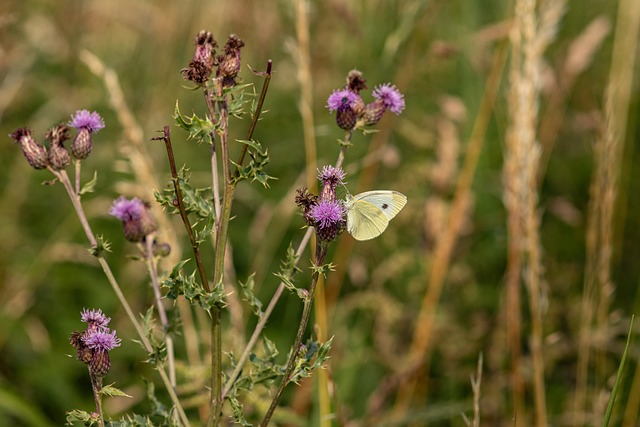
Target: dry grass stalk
579, 56
529, 40
421, 342
608, 150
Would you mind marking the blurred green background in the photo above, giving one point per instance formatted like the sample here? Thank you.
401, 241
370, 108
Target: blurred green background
439, 54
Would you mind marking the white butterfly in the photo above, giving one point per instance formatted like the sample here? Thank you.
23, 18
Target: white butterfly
369, 213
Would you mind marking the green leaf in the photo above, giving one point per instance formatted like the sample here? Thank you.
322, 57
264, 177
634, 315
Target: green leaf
246, 289
111, 391
178, 283
78, 416
90, 186
199, 129
254, 170
102, 245
616, 385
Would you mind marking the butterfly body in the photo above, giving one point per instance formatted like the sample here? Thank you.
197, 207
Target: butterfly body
369, 213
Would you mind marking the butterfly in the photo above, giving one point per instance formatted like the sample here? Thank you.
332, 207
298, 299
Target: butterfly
369, 213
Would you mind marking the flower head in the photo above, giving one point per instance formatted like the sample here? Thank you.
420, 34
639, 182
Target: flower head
95, 319
356, 81
94, 343
126, 210
35, 153
391, 97
201, 66
328, 216
229, 63
341, 99
59, 157
83, 119
137, 221
102, 340
87, 123
331, 176
100, 343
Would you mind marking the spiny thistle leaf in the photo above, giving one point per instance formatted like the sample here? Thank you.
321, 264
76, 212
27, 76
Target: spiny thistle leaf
246, 289
111, 391
254, 169
199, 129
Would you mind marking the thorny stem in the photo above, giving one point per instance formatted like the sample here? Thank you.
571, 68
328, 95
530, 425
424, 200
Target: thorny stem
263, 319
222, 231
321, 252
75, 201
257, 112
96, 386
223, 215
183, 213
343, 147
162, 313
276, 296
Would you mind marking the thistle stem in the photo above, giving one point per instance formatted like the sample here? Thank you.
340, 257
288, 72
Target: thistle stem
96, 387
321, 252
162, 313
75, 201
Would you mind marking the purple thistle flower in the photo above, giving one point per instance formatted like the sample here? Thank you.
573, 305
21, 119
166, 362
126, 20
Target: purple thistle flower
331, 176
328, 213
126, 210
328, 217
137, 221
94, 318
83, 119
391, 97
341, 99
102, 340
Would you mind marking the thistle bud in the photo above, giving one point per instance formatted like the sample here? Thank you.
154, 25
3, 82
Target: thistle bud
137, 221
306, 201
356, 81
35, 153
229, 63
373, 112
201, 66
59, 157
343, 102
87, 123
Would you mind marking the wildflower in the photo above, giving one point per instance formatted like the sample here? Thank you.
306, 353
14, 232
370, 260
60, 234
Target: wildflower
345, 103
94, 343
59, 157
137, 221
306, 201
94, 319
229, 63
35, 153
387, 98
324, 213
328, 216
330, 177
201, 66
356, 81
100, 343
86, 123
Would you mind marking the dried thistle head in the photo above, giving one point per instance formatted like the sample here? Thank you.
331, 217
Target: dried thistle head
201, 66
35, 153
229, 63
59, 157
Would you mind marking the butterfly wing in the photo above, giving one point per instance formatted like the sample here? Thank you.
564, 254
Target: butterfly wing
364, 220
388, 201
